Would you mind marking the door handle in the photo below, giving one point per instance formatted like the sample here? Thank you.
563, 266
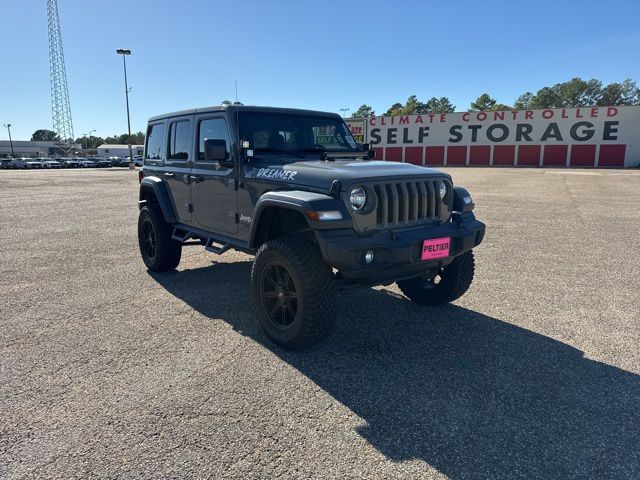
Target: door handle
195, 178
170, 175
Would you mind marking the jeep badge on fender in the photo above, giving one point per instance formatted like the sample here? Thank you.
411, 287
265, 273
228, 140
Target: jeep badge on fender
293, 188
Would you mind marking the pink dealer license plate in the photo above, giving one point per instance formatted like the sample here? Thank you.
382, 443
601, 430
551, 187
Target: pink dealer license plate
435, 248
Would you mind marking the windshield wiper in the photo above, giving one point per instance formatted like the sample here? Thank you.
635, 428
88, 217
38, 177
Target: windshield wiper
278, 150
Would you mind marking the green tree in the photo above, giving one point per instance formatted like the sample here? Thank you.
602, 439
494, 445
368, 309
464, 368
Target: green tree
547, 97
414, 106
483, 103
95, 142
573, 93
616, 94
364, 111
523, 102
44, 136
136, 139
501, 107
395, 109
579, 93
440, 105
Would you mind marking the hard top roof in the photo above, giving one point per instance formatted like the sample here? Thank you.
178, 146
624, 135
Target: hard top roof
241, 108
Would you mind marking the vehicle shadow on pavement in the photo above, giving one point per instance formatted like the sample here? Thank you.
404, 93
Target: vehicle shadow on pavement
469, 394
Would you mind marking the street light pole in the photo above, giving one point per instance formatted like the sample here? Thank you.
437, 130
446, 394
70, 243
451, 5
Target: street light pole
8, 127
124, 53
344, 112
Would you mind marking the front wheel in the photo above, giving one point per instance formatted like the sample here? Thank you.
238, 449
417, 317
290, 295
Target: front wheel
294, 292
449, 284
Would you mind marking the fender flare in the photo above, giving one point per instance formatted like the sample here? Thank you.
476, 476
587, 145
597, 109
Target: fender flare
159, 189
462, 200
300, 201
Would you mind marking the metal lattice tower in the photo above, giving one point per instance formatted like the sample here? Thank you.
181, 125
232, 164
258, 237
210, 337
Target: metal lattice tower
60, 107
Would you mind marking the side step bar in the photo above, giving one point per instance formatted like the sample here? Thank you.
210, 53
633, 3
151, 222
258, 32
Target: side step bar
215, 247
180, 235
212, 245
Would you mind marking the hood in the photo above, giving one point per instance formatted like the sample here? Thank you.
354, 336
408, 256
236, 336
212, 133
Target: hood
321, 173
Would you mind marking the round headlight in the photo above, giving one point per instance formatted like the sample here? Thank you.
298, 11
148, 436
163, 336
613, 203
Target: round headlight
357, 198
443, 189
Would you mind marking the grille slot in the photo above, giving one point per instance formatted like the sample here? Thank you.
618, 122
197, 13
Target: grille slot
406, 203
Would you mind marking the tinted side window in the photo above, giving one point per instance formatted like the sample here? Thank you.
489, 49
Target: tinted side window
155, 142
215, 129
180, 141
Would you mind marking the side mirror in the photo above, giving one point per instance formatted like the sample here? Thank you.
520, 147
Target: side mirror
215, 150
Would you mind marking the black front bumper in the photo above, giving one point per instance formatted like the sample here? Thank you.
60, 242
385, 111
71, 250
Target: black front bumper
396, 253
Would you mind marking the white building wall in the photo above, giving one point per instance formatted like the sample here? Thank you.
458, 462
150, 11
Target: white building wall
119, 150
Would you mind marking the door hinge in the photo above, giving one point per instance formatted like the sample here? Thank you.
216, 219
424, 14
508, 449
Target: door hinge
232, 182
235, 216
188, 207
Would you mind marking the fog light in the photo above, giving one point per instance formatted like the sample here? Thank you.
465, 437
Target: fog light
368, 257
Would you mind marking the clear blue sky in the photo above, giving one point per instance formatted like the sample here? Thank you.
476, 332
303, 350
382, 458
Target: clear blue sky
322, 55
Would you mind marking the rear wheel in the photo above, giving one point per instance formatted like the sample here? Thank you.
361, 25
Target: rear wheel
294, 292
159, 251
449, 284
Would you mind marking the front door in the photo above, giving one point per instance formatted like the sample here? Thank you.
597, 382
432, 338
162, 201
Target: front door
177, 169
214, 187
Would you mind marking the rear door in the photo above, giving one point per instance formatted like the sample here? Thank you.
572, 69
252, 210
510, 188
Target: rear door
214, 187
176, 173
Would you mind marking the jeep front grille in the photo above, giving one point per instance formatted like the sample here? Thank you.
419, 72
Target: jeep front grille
406, 203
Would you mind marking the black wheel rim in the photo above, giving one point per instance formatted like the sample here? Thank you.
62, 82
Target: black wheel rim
148, 239
279, 295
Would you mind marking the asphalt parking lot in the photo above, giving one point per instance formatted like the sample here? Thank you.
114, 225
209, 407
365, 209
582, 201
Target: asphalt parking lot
109, 371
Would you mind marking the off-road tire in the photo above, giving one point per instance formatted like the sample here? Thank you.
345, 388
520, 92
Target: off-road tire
166, 252
455, 280
314, 287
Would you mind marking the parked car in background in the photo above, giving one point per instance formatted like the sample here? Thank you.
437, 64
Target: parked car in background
102, 162
119, 161
138, 161
6, 163
86, 163
70, 163
48, 163
33, 163
20, 162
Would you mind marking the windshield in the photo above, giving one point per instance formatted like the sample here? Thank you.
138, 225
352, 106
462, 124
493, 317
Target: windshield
295, 135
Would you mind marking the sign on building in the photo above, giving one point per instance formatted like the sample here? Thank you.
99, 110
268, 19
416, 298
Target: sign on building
568, 137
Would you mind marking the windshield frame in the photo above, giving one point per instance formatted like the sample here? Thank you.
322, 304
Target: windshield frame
296, 127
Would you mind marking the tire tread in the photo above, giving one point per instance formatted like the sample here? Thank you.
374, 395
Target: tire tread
169, 250
319, 288
457, 279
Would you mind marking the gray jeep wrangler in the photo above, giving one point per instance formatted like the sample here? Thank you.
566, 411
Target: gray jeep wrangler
293, 188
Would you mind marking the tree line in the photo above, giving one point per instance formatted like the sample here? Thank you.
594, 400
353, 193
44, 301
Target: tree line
90, 143
573, 93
